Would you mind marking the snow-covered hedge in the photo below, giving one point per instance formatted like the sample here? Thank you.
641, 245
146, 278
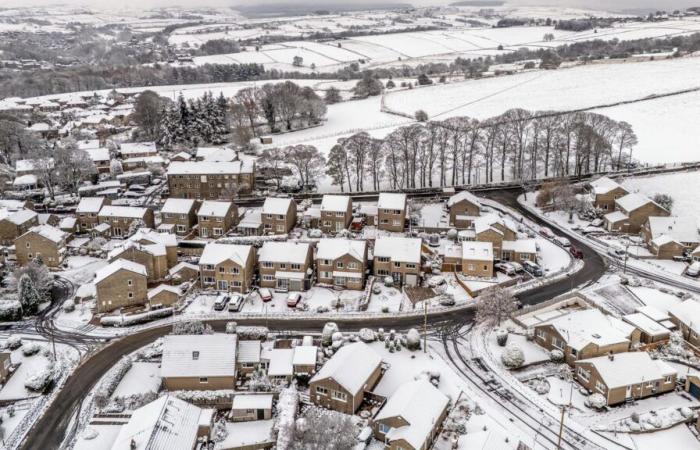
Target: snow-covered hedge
14, 342
413, 339
252, 333
30, 349
10, 311
287, 406
329, 329
110, 381
205, 397
38, 380
134, 319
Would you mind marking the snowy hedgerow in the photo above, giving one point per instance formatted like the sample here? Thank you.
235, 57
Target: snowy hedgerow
413, 339
329, 329
14, 342
231, 327
556, 355
286, 418
110, 382
30, 349
367, 335
501, 337
322, 429
513, 357
191, 327
596, 401
38, 380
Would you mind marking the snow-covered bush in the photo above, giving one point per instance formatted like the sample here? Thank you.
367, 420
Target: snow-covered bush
10, 311
556, 355
635, 417
134, 319
231, 327
324, 429
329, 329
192, 327
380, 334
513, 357
286, 418
501, 337
315, 233
68, 305
219, 433
413, 339
37, 381
14, 342
596, 401
252, 333
31, 348
259, 382
539, 385
367, 335
388, 281
110, 382
385, 309
452, 234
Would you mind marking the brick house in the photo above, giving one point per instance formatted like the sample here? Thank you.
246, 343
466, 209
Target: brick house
87, 211
464, 207
391, 211
120, 218
152, 256
341, 262
477, 259
286, 266
341, 383
336, 213
399, 258
164, 295
631, 211
605, 191
227, 267
670, 236
13, 224
183, 271
686, 316
519, 251
137, 149
215, 219
279, 215
120, 284
199, 363
625, 376
493, 229
42, 240
210, 180
180, 212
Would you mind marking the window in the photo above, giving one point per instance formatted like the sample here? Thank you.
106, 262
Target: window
540, 334
324, 275
353, 265
195, 355
340, 214
384, 429
382, 259
267, 265
295, 266
129, 283
339, 264
583, 373
321, 390
283, 265
668, 379
222, 269
340, 396
237, 284
326, 262
574, 353
208, 279
410, 266
397, 223
28, 245
382, 272
181, 228
600, 386
218, 232
131, 295
397, 264
204, 380
268, 278
235, 270
558, 343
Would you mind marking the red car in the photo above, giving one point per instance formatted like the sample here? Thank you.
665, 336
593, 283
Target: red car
265, 294
576, 252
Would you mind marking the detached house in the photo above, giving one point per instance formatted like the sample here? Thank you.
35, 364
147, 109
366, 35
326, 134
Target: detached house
153, 257
227, 267
15, 223
493, 229
477, 259
605, 191
341, 262
42, 240
87, 211
215, 219
626, 376
391, 211
181, 213
631, 211
667, 237
341, 383
121, 284
686, 316
399, 258
336, 213
120, 218
464, 207
286, 266
199, 363
279, 215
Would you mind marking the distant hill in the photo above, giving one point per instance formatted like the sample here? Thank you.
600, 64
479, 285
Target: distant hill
478, 3
302, 8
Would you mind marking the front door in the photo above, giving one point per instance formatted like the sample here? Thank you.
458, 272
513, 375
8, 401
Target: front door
223, 285
282, 283
339, 226
261, 414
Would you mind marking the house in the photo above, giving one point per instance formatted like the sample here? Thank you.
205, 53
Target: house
585, 333
181, 157
5, 365
279, 215
120, 219
341, 383
146, 236
650, 330
464, 207
164, 295
285, 266
248, 357
87, 211
341, 262
519, 251
247, 407
631, 211
391, 211
165, 423
101, 158
399, 258
121, 284
251, 223
68, 224
369, 213
227, 267
336, 213
625, 376
215, 154
494, 229
183, 271
210, 180
686, 316
280, 364
142, 162
199, 363
670, 236
305, 359
216, 218
604, 192
137, 149
15, 223
42, 240
695, 254
180, 212
152, 256
25, 183
411, 417
477, 259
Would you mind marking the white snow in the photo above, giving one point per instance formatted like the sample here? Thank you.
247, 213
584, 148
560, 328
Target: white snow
209, 355
141, 378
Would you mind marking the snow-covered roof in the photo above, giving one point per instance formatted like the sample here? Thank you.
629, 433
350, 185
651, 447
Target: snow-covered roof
477, 251
177, 206
207, 355
305, 355
633, 201
119, 264
18, 217
664, 239
281, 362
90, 205
67, 223
163, 287
688, 313
624, 369
133, 212
520, 246
249, 351
463, 195
215, 154
590, 326
29, 165
211, 208
399, 249
25, 180
420, 404
182, 265
391, 200
681, 229
151, 159
603, 185
215, 253
209, 167
183, 155
89, 144
329, 248
167, 423
131, 148
616, 216
368, 210
53, 234
653, 313
645, 324
350, 367
287, 252
149, 236
252, 401
252, 219
335, 203
98, 154
278, 206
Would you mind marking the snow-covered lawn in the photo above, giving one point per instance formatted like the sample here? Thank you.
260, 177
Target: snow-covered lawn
389, 297
677, 185
14, 388
242, 434
533, 353
141, 378
81, 269
678, 437
97, 436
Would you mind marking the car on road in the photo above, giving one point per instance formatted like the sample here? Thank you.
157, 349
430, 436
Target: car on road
293, 299
221, 302
564, 242
236, 302
693, 270
533, 269
546, 232
265, 294
616, 252
505, 268
576, 252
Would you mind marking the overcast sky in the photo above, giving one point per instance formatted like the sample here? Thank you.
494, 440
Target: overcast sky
599, 4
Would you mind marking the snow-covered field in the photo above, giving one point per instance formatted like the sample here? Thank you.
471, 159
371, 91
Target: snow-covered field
680, 186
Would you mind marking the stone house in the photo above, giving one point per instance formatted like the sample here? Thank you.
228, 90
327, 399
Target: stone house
251, 223
164, 295
304, 360
336, 213
686, 316
248, 358
391, 212
42, 240
286, 266
279, 215
519, 251
120, 218
137, 149
667, 237
180, 212
477, 259
199, 363
464, 207
13, 224
254, 406
341, 383
399, 258
605, 191
631, 211
341, 262
121, 284
152, 256
87, 211
227, 267
215, 219
493, 229
210, 180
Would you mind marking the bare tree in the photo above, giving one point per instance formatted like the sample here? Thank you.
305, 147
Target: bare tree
307, 161
625, 138
248, 100
495, 305
322, 429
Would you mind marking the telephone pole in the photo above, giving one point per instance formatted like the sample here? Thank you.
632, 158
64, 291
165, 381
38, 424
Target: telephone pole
425, 326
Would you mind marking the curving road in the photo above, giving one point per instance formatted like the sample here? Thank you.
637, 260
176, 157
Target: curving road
48, 432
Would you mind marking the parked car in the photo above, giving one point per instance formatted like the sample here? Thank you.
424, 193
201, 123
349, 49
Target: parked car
447, 301
293, 299
576, 252
234, 305
564, 242
546, 232
434, 240
505, 268
515, 265
597, 223
265, 294
220, 302
693, 270
357, 224
533, 269
616, 252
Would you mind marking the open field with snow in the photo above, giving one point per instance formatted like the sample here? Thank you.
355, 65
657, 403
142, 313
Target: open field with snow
682, 187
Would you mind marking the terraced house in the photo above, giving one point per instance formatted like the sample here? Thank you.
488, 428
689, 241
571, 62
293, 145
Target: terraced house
286, 266
121, 218
399, 258
336, 213
341, 262
180, 213
216, 218
227, 267
210, 180
279, 215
